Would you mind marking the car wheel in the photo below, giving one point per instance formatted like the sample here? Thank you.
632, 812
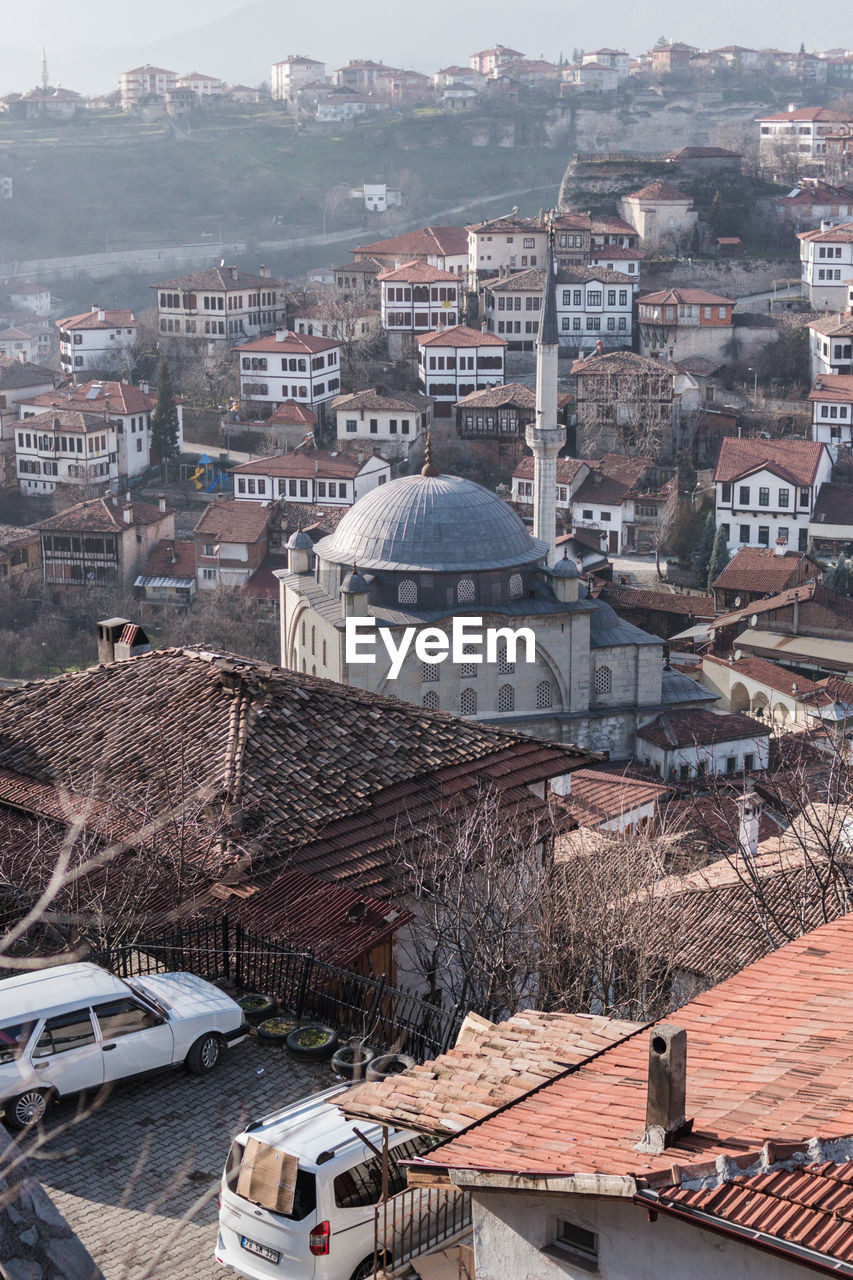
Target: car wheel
205, 1053
28, 1108
364, 1270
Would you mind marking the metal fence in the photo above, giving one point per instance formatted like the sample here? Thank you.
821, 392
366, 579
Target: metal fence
417, 1221
357, 1004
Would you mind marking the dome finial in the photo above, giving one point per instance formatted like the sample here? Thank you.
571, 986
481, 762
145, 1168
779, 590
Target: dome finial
428, 469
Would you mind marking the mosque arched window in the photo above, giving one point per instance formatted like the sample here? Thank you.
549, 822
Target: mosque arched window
516, 586
468, 702
506, 698
603, 680
430, 672
505, 667
324, 653
407, 592
544, 695
430, 700
466, 592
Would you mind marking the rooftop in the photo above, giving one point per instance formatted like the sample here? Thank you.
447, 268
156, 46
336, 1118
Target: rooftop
114, 397
102, 515
231, 521
685, 297
460, 336
833, 388
798, 459
766, 673
380, 401
319, 462
432, 241
227, 278
112, 319
660, 191
760, 569
290, 343
688, 605
417, 272
699, 727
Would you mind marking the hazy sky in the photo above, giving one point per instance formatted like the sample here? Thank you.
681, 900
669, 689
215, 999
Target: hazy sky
91, 41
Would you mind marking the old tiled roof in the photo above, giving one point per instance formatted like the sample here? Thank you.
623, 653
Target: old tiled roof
418, 273
601, 795
617, 253
833, 387
698, 727
291, 413
171, 558
567, 468
405, 401
322, 770
263, 584
291, 343
13, 535
799, 459
834, 505
231, 521
220, 278
770, 1052
760, 569
334, 922
508, 393
816, 192
840, 326
73, 420
617, 362
533, 280
805, 115
660, 190
102, 515
663, 601
116, 397
704, 153
434, 241
493, 1065
90, 320
766, 673
690, 297
460, 336
318, 463
602, 489
17, 373
840, 234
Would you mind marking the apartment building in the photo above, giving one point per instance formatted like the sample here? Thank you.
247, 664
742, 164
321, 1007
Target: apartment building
217, 306
592, 304
766, 490
290, 366
826, 263
454, 362
144, 83
97, 341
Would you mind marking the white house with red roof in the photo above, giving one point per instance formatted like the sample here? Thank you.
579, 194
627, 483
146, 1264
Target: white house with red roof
826, 258
489, 62
415, 299
290, 366
508, 243
313, 477
97, 341
593, 77
294, 73
796, 138
592, 304
454, 362
662, 216
831, 398
677, 323
766, 490
618, 59
219, 305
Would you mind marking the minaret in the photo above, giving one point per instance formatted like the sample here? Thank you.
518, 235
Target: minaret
546, 437
45, 82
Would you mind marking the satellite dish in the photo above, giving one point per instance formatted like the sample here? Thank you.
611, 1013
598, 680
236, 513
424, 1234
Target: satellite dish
753, 622
737, 602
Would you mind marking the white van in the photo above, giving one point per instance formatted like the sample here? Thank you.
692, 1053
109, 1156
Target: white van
76, 1027
323, 1228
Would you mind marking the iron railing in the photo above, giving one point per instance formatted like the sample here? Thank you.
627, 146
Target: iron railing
416, 1221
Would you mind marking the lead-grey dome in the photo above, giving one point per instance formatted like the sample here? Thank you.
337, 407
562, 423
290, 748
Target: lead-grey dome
440, 523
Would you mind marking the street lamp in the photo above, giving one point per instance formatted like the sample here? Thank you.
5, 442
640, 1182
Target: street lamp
754, 372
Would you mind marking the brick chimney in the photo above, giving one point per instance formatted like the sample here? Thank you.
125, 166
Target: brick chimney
666, 1097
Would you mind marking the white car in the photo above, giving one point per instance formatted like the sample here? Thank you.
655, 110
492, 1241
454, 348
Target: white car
334, 1180
76, 1027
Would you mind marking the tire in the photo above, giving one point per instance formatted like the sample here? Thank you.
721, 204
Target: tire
205, 1053
27, 1109
389, 1064
314, 1053
364, 1270
351, 1061
264, 1011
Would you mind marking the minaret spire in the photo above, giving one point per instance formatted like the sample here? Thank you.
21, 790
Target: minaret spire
45, 81
546, 437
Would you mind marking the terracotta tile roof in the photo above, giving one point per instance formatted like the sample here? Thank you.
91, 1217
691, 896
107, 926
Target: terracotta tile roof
231, 521
68, 420
90, 320
766, 673
699, 727
533, 281
115, 397
770, 1052
693, 606
816, 193
291, 344
336, 923
12, 535
708, 824
493, 1065
761, 569
418, 273
16, 373
690, 297
660, 190
432, 241
171, 558
705, 153
808, 115
840, 234
601, 795
799, 459
508, 222
405, 401
319, 462
263, 584
616, 252
603, 489
618, 362
460, 336
323, 770
102, 515
220, 278
833, 387
290, 413
806, 1206
830, 690
834, 506
567, 468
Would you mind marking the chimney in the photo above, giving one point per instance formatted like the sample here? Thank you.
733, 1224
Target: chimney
128, 496
127, 512
749, 815
781, 546
280, 335
109, 631
263, 271
666, 1099
102, 315
161, 501
143, 386
233, 271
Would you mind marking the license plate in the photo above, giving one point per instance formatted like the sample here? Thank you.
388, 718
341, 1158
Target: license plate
262, 1250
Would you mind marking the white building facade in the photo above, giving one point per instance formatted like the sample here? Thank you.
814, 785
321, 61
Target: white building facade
291, 75
831, 399
826, 258
314, 478
766, 491
219, 305
454, 362
290, 366
98, 341
592, 304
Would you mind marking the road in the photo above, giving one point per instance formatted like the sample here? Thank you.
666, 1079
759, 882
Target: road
138, 1177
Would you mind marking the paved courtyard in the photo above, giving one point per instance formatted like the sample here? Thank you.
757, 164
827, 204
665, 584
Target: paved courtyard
137, 1179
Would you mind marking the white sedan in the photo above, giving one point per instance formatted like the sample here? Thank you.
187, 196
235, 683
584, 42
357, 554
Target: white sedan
76, 1027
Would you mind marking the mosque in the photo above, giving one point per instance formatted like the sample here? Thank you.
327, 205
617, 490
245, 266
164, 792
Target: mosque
427, 549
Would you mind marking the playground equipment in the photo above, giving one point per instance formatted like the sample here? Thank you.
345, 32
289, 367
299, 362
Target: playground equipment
207, 476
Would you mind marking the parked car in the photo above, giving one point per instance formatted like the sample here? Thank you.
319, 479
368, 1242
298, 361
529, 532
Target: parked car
76, 1027
326, 1233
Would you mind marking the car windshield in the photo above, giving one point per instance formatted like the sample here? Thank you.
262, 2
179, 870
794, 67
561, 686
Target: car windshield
157, 1001
304, 1193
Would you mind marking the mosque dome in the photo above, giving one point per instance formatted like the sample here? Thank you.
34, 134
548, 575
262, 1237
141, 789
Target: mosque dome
431, 523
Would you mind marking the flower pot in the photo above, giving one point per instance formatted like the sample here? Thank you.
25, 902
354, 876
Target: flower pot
312, 1043
389, 1064
276, 1030
257, 1007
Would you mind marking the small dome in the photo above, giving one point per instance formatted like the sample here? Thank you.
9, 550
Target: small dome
565, 568
354, 584
440, 523
299, 541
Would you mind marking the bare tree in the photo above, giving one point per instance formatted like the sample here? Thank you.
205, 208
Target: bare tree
623, 411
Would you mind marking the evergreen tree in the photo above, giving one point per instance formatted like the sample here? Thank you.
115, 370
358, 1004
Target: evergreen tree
164, 420
837, 577
705, 547
717, 215
719, 557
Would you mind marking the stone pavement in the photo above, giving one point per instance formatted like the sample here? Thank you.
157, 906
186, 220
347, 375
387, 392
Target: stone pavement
137, 1178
